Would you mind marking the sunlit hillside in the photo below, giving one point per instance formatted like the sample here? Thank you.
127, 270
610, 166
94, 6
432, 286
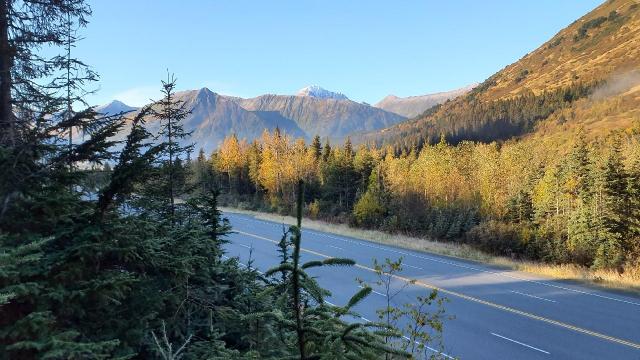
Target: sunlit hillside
586, 75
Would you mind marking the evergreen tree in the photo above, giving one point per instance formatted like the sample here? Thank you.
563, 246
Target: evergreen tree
319, 331
582, 236
614, 220
372, 207
364, 164
170, 113
341, 178
580, 182
29, 81
520, 208
633, 190
316, 148
326, 151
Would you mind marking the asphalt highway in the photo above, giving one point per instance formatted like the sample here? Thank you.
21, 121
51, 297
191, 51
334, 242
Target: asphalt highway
496, 313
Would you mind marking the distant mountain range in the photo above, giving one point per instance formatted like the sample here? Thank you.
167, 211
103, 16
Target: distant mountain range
312, 111
413, 106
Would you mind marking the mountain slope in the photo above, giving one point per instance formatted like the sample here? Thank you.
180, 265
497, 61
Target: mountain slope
214, 116
413, 106
547, 88
333, 118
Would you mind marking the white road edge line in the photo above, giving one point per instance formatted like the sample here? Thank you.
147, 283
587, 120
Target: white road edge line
373, 291
521, 343
477, 300
386, 248
428, 347
243, 265
361, 317
411, 266
532, 296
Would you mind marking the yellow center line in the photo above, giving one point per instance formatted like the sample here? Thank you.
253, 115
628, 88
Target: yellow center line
477, 300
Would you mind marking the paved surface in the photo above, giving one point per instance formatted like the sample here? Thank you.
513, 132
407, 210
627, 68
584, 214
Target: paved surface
499, 314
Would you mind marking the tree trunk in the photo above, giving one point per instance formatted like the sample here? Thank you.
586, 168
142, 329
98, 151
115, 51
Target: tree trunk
7, 123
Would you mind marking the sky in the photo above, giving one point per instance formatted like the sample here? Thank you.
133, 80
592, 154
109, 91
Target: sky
366, 49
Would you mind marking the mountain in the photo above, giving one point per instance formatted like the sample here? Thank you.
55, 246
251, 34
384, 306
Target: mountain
214, 116
320, 93
115, 107
584, 76
413, 106
327, 117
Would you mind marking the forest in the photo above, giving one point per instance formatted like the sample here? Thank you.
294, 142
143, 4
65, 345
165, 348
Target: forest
468, 118
113, 244
561, 202
115, 249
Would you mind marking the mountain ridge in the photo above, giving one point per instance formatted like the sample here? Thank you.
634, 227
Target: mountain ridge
215, 116
412, 106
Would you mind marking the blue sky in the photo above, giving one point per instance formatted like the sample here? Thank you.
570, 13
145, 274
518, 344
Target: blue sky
365, 49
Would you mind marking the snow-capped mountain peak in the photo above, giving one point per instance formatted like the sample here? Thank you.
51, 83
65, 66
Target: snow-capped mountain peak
318, 92
114, 107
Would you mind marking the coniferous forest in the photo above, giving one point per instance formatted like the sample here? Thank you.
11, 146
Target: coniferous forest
114, 249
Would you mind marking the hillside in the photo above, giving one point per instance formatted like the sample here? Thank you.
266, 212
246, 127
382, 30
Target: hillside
584, 76
413, 106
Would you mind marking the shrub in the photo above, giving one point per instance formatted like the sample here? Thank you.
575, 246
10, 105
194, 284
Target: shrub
369, 211
497, 237
313, 209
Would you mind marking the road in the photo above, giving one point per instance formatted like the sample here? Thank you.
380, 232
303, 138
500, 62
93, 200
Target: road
498, 314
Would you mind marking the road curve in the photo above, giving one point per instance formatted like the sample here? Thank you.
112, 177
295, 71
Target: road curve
498, 314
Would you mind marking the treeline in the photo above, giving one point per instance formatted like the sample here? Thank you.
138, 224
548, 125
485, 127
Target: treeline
524, 199
126, 261
471, 119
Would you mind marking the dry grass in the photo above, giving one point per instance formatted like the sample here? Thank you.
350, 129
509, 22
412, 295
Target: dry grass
628, 282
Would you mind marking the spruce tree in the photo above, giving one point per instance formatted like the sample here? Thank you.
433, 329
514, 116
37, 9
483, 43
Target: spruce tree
171, 112
633, 189
316, 148
580, 170
29, 81
319, 332
326, 151
614, 220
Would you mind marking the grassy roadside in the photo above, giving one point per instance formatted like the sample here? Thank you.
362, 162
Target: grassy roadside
598, 278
